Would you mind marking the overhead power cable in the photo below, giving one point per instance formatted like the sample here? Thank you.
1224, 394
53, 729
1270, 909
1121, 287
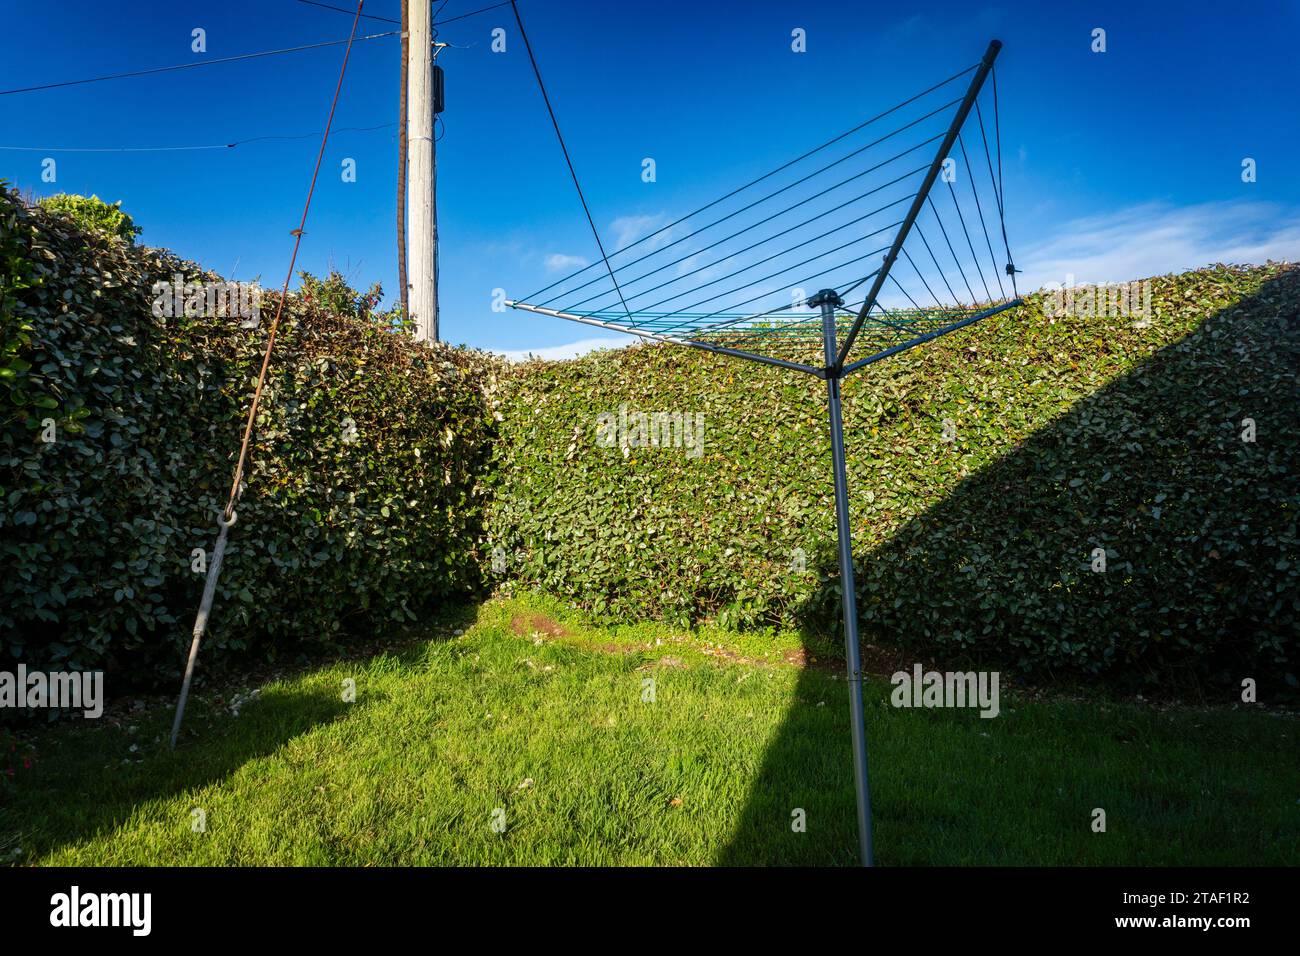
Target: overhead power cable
198, 63
168, 149
364, 16
436, 21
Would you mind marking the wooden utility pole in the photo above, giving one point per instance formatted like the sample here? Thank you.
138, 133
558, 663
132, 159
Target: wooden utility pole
420, 179
404, 287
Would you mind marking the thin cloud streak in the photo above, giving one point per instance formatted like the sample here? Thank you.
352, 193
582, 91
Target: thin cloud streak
554, 353
1155, 239
559, 262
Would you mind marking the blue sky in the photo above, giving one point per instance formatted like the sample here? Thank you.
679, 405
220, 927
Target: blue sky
1117, 165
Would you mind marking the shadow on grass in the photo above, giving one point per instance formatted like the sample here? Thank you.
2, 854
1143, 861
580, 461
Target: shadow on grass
1199, 529
89, 782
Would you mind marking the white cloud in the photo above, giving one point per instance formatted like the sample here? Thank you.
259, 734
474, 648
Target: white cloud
559, 262
1155, 238
628, 229
566, 351
691, 265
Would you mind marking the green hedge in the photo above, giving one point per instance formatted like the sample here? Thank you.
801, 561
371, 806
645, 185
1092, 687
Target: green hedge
1072, 433
97, 528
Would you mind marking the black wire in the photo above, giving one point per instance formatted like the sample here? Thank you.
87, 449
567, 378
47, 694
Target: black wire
364, 16
970, 174
810, 329
870, 275
757, 202
917, 226
921, 277
751, 284
997, 131
979, 114
472, 13
341, 129
885, 321
754, 245
436, 22
768, 175
764, 295
943, 230
775, 255
1001, 219
759, 223
805, 328
891, 278
166, 149
719, 326
763, 199
749, 318
572, 172
952, 191
754, 225
196, 63
433, 24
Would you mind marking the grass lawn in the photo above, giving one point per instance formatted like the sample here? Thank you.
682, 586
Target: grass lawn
537, 722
